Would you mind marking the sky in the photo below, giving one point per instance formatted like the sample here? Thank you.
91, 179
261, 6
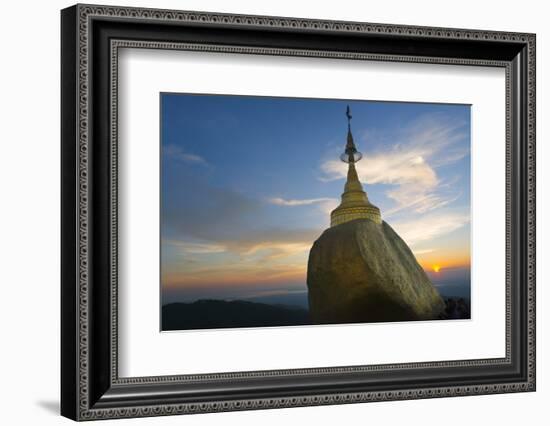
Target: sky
248, 184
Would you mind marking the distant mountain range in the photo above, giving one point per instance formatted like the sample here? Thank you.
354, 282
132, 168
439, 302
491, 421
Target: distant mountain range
208, 314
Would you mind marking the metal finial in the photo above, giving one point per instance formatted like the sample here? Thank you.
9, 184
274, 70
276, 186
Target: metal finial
350, 155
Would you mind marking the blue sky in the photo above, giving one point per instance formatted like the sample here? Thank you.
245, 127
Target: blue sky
248, 184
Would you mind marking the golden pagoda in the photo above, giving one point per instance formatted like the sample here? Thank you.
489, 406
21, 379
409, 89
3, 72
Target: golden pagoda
355, 203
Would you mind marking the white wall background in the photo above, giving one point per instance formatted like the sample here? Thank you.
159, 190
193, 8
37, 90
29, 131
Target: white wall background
29, 212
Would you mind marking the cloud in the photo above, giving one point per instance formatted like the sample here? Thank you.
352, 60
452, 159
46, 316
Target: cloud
430, 226
418, 199
260, 245
423, 251
326, 205
273, 243
306, 202
235, 276
196, 248
274, 250
177, 153
410, 164
268, 256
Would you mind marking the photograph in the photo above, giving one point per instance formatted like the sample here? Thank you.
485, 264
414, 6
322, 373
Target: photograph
279, 211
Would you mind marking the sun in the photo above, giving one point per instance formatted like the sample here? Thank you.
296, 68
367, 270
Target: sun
436, 268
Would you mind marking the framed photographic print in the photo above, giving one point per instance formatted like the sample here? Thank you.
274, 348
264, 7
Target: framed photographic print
263, 212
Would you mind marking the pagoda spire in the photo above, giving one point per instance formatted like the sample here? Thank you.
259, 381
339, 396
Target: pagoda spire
350, 145
355, 203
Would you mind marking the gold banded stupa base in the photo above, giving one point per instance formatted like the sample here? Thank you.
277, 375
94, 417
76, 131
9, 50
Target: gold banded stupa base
342, 214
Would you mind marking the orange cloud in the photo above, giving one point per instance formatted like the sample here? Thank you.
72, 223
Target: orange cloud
235, 275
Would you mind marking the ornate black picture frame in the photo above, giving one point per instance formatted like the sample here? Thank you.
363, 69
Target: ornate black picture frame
90, 385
